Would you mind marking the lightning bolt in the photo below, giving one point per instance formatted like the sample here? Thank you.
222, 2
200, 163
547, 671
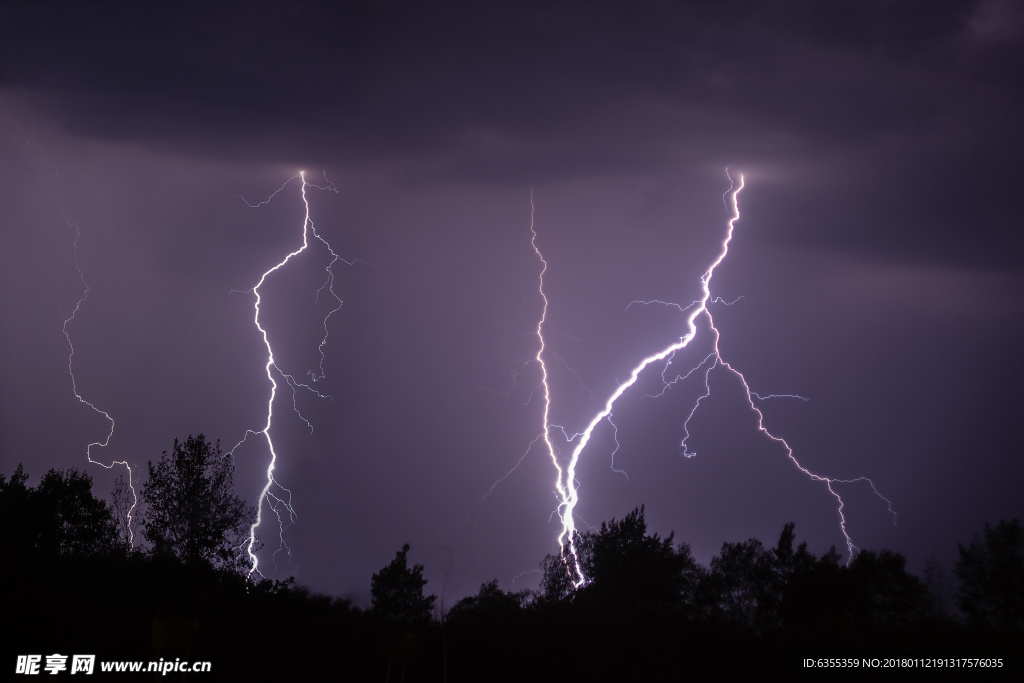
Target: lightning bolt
273, 495
74, 383
566, 488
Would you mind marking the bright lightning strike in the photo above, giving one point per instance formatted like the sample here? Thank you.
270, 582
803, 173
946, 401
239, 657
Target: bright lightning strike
566, 489
563, 485
74, 383
274, 496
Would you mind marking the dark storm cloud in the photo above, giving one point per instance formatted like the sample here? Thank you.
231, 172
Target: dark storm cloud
543, 69
905, 96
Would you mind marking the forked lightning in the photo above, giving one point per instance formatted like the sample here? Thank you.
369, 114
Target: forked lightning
273, 495
566, 488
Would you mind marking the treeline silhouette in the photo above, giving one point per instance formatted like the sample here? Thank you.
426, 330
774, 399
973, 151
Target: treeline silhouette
648, 608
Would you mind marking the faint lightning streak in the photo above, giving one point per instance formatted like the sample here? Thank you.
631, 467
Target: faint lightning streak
615, 436
74, 382
687, 453
524, 573
329, 286
683, 309
759, 397
828, 481
513, 469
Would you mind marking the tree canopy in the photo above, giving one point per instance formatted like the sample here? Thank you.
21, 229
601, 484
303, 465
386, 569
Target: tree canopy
627, 567
991, 573
397, 593
60, 516
192, 511
644, 594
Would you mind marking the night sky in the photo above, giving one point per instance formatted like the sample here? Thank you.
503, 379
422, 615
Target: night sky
878, 257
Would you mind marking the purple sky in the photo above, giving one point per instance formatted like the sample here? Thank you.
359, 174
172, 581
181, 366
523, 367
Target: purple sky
878, 257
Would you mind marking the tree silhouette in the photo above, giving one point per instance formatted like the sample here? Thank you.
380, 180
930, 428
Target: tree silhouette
742, 587
397, 593
939, 586
803, 581
880, 591
791, 563
60, 516
489, 605
76, 522
991, 573
192, 512
626, 568
15, 515
632, 569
